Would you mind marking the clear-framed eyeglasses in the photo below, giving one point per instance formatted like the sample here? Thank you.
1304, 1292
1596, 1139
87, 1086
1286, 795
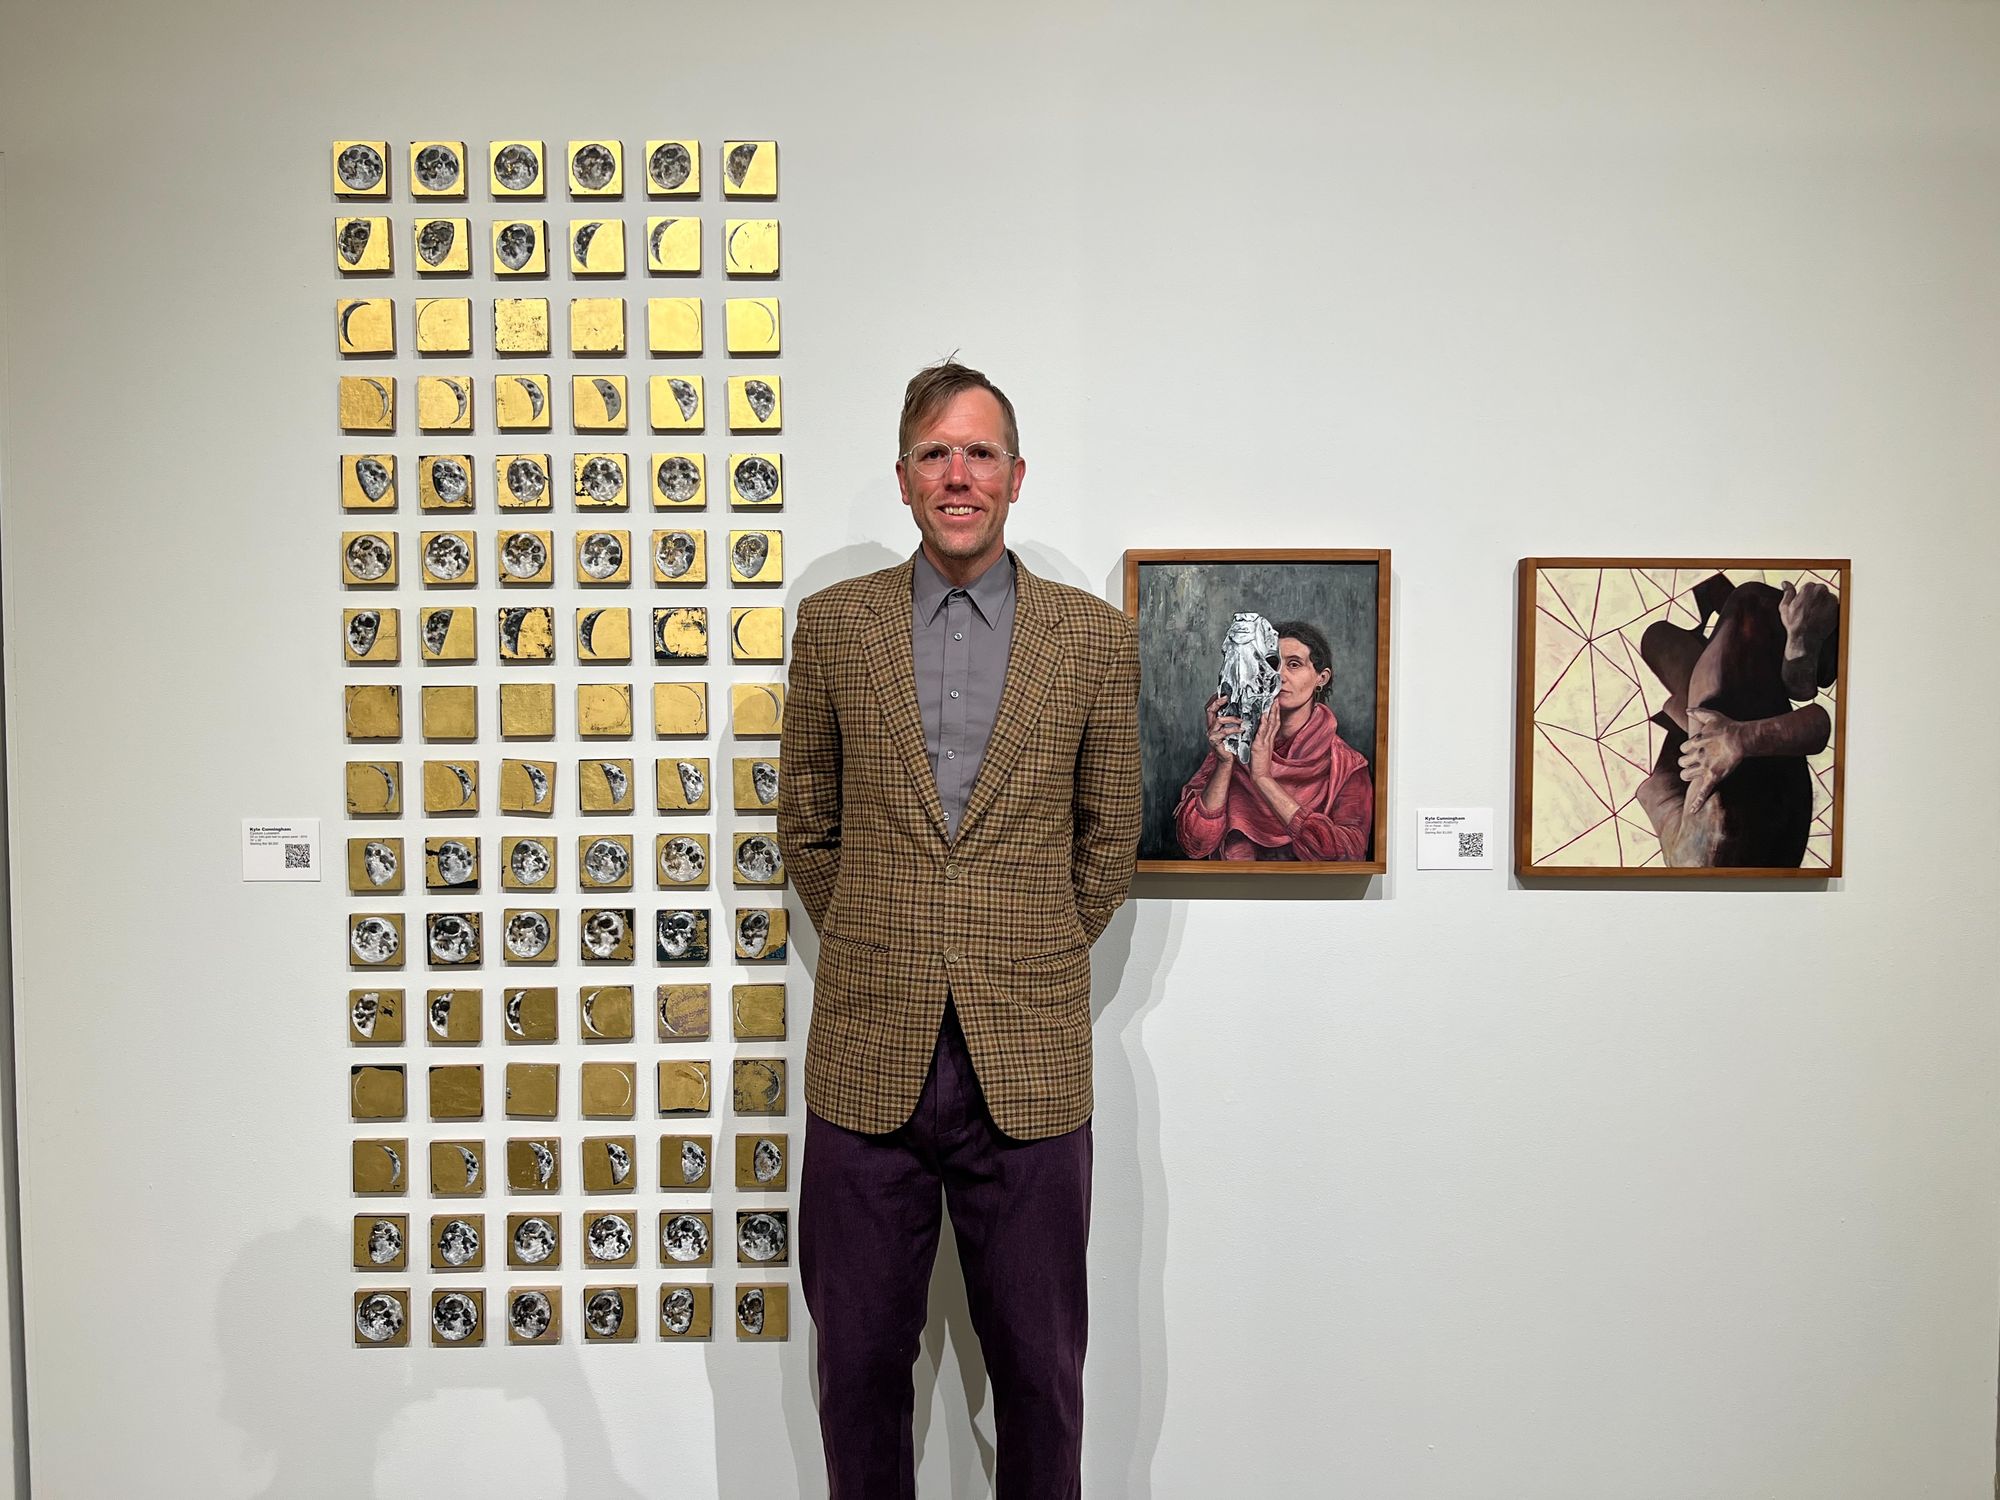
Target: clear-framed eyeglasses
982, 460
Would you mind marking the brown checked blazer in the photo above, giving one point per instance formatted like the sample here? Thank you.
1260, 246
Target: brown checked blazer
1002, 917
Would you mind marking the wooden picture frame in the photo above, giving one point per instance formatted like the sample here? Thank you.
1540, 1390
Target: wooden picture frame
1624, 791
1198, 610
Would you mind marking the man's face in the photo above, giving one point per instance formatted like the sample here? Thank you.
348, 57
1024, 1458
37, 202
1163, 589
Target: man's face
963, 519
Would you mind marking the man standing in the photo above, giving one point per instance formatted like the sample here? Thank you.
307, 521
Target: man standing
959, 810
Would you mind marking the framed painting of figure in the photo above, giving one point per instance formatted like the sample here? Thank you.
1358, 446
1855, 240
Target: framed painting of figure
1680, 717
1263, 709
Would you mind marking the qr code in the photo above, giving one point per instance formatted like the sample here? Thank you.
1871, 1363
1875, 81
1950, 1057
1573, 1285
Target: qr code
1472, 846
298, 856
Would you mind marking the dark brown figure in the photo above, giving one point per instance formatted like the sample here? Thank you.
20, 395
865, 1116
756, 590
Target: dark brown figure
1731, 787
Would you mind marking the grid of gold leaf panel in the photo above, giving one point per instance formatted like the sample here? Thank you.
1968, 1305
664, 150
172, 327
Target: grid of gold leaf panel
561, 489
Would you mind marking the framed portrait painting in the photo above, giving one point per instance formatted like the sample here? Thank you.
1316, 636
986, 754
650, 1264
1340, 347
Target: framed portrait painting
1680, 717
1263, 709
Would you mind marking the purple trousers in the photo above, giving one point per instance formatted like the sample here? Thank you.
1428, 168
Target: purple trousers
868, 1233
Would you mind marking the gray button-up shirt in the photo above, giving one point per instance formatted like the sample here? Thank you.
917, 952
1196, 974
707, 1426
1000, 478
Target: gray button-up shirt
959, 639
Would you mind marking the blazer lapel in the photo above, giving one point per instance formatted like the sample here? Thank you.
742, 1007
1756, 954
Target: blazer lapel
892, 664
1031, 668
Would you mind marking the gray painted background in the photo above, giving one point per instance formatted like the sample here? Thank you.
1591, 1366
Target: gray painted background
1184, 611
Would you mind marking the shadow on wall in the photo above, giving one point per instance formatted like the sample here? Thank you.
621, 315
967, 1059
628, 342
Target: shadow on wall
419, 1421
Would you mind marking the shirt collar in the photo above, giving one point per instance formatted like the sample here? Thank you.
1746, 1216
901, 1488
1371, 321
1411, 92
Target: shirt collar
988, 592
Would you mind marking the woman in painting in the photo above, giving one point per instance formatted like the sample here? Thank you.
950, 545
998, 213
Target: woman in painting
1306, 793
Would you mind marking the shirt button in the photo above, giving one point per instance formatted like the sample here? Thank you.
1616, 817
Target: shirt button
951, 755
954, 692
958, 635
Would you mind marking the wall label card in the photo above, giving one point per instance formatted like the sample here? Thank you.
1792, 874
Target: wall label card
281, 849
1454, 838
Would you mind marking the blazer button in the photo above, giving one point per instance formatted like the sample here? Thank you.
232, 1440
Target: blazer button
950, 870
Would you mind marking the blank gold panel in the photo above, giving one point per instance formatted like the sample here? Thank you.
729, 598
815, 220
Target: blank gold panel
458, 1091
687, 1312
673, 169
368, 403
365, 325
374, 1017
596, 169
687, 1163
673, 325
597, 325
756, 557
361, 169
763, 1313
682, 861
681, 783
685, 1088
368, 558
458, 1169
532, 1170
757, 1012
374, 865
451, 786
531, 1091
756, 480
757, 634
680, 556
381, 1166
749, 169
448, 634
374, 788
521, 403
604, 785
522, 481
755, 403
374, 712
528, 786
674, 403
444, 403
750, 247
604, 1012
448, 559
530, 935
607, 1091
444, 481
444, 325
682, 1011
763, 1162
600, 481
361, 245
757, 1085
438, 169
597, 403
597, 247
610, 1162
371, 636
385, 1312
756, 710
451, 713
673, 246
368, 481
516, 169
680, 709
443, 246
521, 325
529, 1014
680, 481
754, 780
750, 325
527, 710
520, 247
376, 1093
528, 633
680, 635
527, 862
524, 556
452, 1017
604, 710
604, 634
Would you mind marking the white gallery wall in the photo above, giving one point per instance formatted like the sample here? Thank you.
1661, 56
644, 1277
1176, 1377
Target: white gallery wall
1426, 1186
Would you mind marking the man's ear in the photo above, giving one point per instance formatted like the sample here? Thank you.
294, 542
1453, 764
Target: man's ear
902, 482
